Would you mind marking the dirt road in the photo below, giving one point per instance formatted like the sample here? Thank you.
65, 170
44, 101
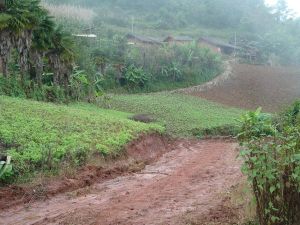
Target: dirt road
190, 177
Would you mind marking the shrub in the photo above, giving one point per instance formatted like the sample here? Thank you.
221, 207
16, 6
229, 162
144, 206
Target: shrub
136, 77
271, 153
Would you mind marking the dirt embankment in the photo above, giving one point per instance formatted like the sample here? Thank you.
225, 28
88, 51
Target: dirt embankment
253, 86
219, 80
140, 152
189, 178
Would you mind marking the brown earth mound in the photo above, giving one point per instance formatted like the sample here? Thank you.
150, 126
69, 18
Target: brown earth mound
253, 86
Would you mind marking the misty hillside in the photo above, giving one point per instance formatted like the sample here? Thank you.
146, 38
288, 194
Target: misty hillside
271, 30
250, 16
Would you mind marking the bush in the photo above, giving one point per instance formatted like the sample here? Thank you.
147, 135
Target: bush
11, 87
271, 153
224, 130
136, 77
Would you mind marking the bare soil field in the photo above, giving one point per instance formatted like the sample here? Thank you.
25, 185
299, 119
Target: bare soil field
189, 178
253, 86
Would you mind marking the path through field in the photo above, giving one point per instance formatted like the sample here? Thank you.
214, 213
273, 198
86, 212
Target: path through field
190, 177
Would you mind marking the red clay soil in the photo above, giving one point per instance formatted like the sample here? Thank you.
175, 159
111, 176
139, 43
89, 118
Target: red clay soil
143, 150
191, 177
253, 86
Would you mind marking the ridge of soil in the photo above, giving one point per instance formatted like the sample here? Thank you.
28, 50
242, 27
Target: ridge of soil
211, 84
253, 86
191, 177
138, 153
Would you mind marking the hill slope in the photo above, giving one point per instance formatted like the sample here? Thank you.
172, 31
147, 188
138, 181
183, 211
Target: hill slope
182, 115
253, 86
42, 136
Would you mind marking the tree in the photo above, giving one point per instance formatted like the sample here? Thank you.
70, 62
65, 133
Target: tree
282, 12
61, 57
41, 44
17, 21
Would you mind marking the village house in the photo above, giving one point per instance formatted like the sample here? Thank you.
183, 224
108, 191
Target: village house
217, 45
140, 40
178, 40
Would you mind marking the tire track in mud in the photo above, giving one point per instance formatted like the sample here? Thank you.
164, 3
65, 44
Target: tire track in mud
190, 177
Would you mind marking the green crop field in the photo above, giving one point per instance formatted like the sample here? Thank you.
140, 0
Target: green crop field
179, 113
42, 136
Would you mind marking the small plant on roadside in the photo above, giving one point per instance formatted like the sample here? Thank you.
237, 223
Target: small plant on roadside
271, 153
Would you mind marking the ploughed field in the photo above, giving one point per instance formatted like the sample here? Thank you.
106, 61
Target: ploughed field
252, 86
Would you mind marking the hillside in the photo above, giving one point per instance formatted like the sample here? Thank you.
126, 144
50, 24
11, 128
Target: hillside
182, 115
42, 136
253, 86
247, 22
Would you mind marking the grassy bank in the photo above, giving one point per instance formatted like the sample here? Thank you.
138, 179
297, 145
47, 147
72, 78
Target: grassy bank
42, 136
182, 115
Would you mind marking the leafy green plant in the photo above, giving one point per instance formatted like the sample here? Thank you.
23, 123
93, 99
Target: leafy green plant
271, 153
136, 77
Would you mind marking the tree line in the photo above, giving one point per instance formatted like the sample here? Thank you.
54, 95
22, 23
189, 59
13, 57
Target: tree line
29, 35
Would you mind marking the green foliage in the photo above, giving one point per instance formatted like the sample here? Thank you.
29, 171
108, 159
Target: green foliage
39, 47
271, 153
4, 20
182, 115
175, 66
227, 130
136, 77
54, 135
11, 87
146, 69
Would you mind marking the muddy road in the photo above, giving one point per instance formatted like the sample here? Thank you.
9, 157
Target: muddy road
191, 177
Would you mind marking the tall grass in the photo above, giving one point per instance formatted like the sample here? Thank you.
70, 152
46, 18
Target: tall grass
67, 11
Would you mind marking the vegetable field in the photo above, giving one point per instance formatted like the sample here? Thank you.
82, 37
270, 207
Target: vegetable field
42, 136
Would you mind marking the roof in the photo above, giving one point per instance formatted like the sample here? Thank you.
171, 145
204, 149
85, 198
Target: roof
145, 39
179, 38
85, 35
217, 42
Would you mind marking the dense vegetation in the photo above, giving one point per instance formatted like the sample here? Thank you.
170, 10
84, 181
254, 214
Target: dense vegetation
182, 115
42, 60
44, 137
271, 156
156, 68
37, 56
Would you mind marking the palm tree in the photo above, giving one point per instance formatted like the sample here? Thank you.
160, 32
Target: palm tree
31, 14
5, 41
40, 45
17, 21
61, 57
